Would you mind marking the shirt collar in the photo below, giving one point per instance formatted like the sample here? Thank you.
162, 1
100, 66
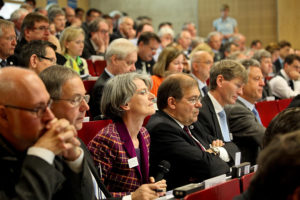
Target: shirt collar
218, 108
247, 103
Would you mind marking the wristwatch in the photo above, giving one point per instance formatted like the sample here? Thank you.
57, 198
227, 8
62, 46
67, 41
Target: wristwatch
216, 150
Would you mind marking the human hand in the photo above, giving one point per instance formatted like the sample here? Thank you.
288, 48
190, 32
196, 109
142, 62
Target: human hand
149, 191
217, 143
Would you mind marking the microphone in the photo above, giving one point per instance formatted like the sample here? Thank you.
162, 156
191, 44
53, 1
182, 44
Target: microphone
163, 168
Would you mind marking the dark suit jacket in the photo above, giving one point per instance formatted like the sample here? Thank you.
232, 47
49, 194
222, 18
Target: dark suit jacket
266, 90
295, 102
188, 162
149, 65
209, 122
278, 66
96, 94
246, 130
89, 50
30, 177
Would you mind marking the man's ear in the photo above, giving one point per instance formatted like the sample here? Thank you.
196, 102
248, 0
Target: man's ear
114, 59
33, 61
171, 103
220, 79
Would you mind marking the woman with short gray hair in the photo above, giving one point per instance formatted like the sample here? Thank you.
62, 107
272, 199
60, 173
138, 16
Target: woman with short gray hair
122, 148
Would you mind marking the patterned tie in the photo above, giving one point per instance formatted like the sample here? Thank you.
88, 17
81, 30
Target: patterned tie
204, 89
224, 126
256, 115
186, 129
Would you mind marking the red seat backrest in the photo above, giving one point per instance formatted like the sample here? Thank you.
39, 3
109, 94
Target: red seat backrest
91, 67
99, 66
223, 191
88, 85
267, 111
283, 104
245, 181
90, 129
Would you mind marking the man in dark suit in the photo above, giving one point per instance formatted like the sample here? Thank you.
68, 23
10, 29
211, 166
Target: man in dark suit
227, 78
191, 157
70, 102
243, 119
284, 51
40, 155
96, 42
121, 56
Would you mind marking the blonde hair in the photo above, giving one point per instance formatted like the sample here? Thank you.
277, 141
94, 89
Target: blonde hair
69, 34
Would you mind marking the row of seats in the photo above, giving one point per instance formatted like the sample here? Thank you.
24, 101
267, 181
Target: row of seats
269, 109
96, 68
223, 191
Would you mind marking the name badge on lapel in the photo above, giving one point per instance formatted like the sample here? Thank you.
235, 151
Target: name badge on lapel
133, 162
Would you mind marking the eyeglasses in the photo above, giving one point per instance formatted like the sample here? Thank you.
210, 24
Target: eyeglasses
194, 100
52, 60
39, 111
103, 31
42, 28
76, 101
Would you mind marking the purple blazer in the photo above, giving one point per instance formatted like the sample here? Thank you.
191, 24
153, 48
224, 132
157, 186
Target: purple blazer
111, 148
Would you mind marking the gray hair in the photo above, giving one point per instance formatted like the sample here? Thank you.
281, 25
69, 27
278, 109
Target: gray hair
260, 54
165, 31
54, 78
17, 14
247, 63
211, 34
5, 24
93, 26
54, 12
185, 25
121, 48
118, 91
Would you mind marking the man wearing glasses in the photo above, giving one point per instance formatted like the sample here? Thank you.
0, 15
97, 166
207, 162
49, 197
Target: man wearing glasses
40, 155
38, 55
172, 129
286, 83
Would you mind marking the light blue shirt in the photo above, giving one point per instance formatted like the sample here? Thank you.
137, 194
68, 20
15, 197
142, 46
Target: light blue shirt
247, 103
225, 26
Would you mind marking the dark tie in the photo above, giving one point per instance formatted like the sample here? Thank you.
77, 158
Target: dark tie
186, 129
291, 84
204, 89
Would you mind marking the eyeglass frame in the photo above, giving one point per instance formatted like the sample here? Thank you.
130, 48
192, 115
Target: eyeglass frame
74, 102
39, 111
53, 60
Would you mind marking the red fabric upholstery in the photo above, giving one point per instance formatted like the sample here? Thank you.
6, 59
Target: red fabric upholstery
90, 129
223, 191
88, 85
245, 181
91, 67
99, 66
283, 104
267, 111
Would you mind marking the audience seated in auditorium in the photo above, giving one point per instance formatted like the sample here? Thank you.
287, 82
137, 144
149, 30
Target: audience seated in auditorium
125, 29
148, 43
278, 171
70, 102
8, 42
184, 41
191, 28
240, 40
122, 147
72, 43
266, 66
38, 55
169, 61
96, 42
41, 156
229, 48
201, 62
286, 83
214, 40
273, 48
79, 13
141, 28
120, 56
70, 16
173, 135
284, 51
243, 119
286, 121
256, 45
17, 18
226, 25
166, 36
91, 15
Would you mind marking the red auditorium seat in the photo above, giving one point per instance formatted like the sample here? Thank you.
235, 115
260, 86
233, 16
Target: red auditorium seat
99, 66
91, 67
90, 129
283, 104
223, 191
88, 85
267, 111
245, 181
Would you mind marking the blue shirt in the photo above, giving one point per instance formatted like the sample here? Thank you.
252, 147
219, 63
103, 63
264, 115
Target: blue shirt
225, 26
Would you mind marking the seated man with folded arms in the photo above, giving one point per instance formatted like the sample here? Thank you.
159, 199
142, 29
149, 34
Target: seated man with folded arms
243, 119
278, 171
173, 139
37, 55
40, 155
227, 78
286, 83
70, 102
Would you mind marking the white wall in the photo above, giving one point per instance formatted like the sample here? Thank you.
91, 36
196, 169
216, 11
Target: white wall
175, 11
